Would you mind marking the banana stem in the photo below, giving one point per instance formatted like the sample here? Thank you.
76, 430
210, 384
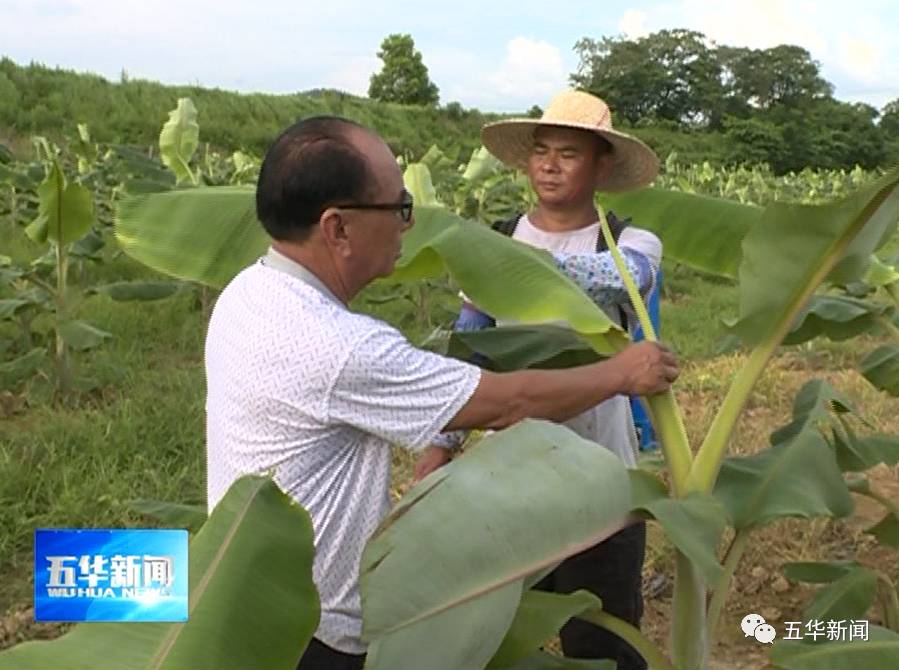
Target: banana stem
689, 630
704, 470
719, 595
665, 410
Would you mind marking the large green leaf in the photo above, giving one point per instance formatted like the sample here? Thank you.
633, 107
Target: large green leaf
702, 232
472, 253
881, 368
848, 597
465, 636
525, 498
539, 617
835, 317
66, 210
179, 138
520, 347
252, 600
880, 652
203, 234
793, 248
799, 478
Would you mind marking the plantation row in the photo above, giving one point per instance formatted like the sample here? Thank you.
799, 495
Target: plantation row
77, 186
804, 273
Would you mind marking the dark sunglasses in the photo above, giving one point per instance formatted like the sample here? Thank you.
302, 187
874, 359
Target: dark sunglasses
404, 207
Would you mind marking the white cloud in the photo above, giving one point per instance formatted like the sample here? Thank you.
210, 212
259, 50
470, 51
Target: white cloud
532, 69
633, 24
759, 24
856, 51
529, 73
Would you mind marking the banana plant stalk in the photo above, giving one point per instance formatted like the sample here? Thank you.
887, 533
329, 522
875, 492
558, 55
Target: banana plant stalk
689, 647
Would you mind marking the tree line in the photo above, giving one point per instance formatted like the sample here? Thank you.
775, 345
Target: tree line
730, 105
769, 105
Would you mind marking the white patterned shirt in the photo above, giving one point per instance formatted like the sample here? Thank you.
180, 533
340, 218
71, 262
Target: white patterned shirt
300, 386
610, 423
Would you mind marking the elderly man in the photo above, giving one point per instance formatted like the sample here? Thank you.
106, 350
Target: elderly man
569, 154
300, 385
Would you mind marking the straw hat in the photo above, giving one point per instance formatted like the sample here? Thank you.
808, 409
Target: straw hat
635, 164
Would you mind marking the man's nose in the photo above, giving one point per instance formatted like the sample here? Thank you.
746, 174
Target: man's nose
549, 163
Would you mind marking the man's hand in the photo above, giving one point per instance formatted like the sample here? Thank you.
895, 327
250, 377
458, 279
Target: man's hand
430, 460
646, 368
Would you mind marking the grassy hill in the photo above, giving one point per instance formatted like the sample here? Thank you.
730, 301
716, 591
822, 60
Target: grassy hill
38, 100
35, 99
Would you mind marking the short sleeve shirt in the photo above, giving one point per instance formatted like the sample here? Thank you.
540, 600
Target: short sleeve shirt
610, 423
302, 387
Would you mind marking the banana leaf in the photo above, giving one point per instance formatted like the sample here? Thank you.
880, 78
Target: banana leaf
798, 478
793, 248
252, 600
525, 498
881, 650
699, 231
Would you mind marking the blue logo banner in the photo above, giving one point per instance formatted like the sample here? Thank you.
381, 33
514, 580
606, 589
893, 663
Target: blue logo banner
110, 575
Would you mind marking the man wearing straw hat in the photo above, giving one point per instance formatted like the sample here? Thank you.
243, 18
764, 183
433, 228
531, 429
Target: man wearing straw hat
569, 154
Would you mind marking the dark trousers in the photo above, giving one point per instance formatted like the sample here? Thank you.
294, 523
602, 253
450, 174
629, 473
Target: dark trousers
612, 570
319, 656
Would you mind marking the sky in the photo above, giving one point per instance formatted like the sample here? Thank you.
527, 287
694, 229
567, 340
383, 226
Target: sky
494, 56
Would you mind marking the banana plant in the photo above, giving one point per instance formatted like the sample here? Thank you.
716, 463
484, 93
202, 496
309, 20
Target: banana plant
781, 255
65, 225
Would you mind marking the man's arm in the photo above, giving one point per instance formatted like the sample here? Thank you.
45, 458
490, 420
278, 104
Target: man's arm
597, 275
502, 399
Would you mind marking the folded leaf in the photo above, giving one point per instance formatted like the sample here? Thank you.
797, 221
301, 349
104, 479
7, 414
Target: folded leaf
489, 497
881, 651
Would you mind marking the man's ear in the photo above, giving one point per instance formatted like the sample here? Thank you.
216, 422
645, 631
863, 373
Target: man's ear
604, 165
334, 231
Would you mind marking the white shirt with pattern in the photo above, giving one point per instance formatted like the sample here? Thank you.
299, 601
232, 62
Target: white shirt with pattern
300, 386
610, 423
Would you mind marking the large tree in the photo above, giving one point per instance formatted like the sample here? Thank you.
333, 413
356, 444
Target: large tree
889, 119
670, 74
404, 77
762, 78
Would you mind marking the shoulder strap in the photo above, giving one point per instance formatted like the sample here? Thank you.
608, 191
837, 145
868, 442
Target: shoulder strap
616, 225
506, 226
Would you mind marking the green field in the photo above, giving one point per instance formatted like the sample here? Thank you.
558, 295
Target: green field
132, 426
